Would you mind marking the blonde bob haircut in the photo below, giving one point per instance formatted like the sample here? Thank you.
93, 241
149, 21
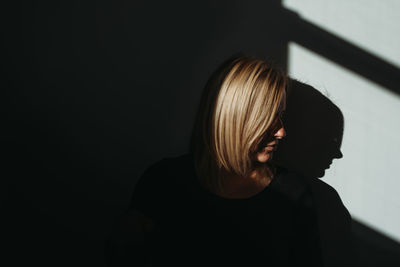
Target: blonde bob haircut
239, 107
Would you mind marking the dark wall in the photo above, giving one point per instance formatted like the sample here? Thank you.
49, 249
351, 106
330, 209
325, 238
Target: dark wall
93, 93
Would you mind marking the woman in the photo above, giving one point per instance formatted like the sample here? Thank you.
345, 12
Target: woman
226, 203
238, 127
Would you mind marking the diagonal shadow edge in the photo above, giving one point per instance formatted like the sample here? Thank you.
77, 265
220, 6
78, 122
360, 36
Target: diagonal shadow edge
341, 52
372, 236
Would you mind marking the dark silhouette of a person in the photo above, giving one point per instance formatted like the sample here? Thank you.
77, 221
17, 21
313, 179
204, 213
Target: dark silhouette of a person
314, 127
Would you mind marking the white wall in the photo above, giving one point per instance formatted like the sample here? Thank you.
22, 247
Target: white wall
366, 177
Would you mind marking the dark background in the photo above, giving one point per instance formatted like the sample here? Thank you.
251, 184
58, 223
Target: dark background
93, 92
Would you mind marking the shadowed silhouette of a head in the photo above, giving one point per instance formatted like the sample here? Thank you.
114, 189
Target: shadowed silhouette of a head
314, 127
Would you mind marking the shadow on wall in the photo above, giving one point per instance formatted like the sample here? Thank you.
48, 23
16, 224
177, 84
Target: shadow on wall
370, 247
373, 248
314, 128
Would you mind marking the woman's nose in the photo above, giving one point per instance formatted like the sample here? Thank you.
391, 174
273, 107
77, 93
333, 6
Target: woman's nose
280, 133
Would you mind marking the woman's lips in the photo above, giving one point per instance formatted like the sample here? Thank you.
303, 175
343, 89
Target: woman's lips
270, 148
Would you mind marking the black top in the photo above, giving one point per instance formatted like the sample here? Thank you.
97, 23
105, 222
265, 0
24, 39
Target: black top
276, 227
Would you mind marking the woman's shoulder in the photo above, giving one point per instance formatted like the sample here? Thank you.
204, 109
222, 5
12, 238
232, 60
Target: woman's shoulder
159, 183
167, 171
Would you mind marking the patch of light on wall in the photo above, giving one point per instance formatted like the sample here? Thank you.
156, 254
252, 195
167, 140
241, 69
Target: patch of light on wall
367, 176
371, 25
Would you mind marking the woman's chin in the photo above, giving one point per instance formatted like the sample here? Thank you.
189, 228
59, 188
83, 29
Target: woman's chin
263, 157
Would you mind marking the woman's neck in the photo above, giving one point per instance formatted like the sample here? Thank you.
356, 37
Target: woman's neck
235, 186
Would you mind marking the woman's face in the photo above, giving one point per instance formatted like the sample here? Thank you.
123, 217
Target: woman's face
267, 147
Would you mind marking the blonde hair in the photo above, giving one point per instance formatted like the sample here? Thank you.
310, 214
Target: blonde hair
239, 107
